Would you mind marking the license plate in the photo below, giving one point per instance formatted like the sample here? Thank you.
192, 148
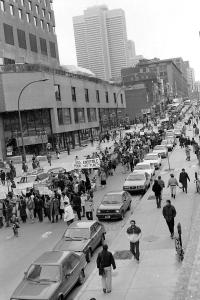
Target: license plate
107, 217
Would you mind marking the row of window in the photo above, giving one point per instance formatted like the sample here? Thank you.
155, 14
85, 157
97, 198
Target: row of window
64, 115
36, 20
87, 98
30, 4
22, 41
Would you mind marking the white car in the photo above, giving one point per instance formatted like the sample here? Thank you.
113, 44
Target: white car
168, 143
137, 182
153, 158
30, 180
161, 149
145, 167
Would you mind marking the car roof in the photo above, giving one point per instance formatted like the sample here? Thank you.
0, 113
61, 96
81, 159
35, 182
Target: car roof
136, 173
114, 193
82, 224
52, 257
143, 163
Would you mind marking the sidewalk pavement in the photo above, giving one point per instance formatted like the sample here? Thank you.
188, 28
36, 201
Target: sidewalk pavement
155, 277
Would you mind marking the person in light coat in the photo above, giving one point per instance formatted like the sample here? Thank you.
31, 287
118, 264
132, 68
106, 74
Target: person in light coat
68, 213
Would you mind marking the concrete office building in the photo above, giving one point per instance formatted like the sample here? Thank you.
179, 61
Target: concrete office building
68, 109
101, 41
27, 32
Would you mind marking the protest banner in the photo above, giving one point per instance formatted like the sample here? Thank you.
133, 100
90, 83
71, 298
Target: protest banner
87, 163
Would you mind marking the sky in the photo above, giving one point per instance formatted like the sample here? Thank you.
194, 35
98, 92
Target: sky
159, 28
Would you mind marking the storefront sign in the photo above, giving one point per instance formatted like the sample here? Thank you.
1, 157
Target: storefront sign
87, 163
32, 140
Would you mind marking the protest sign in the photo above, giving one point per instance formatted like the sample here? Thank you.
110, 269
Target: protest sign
87, 163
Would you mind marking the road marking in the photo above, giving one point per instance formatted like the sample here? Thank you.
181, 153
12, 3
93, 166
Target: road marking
46, 234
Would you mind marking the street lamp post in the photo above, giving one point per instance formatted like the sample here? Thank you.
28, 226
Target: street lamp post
20, 119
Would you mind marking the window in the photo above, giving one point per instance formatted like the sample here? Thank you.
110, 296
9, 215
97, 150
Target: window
12, 10
48, 27
107, 99
35, 21
29, 5
52, 47
33, 42
21, 38
43, 12
8, 34
86, 95
64, 116
73, 91
49, 14
115, 97
20, 13
122, 100
43, 46
42, 24
22, 2
57, 92
2, 5
37, 9
91, 114
28, 17
97, 96
79, 115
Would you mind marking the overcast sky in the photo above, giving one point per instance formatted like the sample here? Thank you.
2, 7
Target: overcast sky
160, 28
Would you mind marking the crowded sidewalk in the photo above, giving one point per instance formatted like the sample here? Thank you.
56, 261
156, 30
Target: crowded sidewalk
155, 276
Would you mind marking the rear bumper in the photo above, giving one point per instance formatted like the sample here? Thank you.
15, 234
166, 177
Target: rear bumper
108, 216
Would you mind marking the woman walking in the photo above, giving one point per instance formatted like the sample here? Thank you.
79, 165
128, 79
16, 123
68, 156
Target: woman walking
22, 209
156, 188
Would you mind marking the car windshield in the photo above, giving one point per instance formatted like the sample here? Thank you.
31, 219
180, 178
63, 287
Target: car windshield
151, 157
135, 177
39, 273
112, 199
77, 233
142, 167
27, 179
42, 176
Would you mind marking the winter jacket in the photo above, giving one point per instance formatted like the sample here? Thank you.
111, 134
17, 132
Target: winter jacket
161, 183
183, 177
69, 214
134, 234
156, 189
169, 212
172, 182
105, 259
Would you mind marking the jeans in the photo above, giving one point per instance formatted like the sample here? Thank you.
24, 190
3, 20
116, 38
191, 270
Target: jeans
107, 279
173, 190
170, 225
158, 200
89, 215
134, 248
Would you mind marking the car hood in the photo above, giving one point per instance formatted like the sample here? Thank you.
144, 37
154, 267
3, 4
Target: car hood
109, 206
68, 245
134, 183
160, 151
144, 171
32, 290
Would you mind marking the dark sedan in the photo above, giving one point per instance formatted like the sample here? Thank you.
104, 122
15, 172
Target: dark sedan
114, 205
51, 276
82, 236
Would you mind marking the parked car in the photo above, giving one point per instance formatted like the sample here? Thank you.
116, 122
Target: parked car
177, 132
56, 171
161, 149
137, 181
30, 180
83, 237
153, 158
114, 205
145, 167
51, 276
169, 144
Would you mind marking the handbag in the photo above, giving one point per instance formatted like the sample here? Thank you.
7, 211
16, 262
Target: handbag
101, 269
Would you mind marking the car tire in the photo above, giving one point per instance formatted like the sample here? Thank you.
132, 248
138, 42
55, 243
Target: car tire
81, 277
88, 255
61, 297
129, 207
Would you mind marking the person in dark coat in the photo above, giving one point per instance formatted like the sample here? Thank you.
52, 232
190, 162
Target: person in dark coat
3, 177
22, 209
76, 200
169, 213
54, 208
156, 188
183, 179
105, 260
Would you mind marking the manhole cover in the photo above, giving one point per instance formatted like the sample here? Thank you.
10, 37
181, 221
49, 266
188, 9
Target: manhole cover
124, 254
151, 197
150, 238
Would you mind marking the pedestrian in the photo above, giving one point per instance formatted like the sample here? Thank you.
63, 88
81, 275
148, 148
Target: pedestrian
156, 188
68, 213
172, 183
162, 184
76, 200
83, 199
89, 206
103, 178
187, 152
105, 260
54, 208
24, 168
183, 179
1, 213
49, 158
169, 213
31, 207
3, 177
134, 234
63, 199
57, 151
22, 209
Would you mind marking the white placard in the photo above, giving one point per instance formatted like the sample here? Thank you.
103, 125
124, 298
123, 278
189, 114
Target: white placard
87, 163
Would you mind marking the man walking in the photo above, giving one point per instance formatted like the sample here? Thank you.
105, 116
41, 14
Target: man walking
134, 235
104, 261
161, 183
169, 213
183, 178
172, 183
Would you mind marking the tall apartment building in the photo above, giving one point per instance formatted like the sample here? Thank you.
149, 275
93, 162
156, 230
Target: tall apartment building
101, 41
27, 32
